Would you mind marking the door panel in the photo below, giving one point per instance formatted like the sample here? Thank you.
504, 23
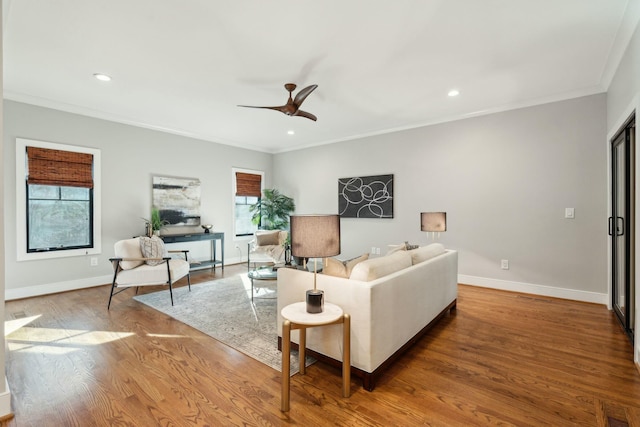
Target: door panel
621, 225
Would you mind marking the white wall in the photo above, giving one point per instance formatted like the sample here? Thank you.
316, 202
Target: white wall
623, 97
130, 157
504, 180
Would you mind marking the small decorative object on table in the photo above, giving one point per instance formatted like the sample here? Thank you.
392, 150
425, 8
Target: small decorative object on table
207, 227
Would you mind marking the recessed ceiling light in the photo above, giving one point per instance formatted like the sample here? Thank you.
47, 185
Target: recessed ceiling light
291, 132
102, 77
454, 92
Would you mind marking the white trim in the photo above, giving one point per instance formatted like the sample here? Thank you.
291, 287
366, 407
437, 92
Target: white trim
54, 288
5, 400
21, 227
532, 288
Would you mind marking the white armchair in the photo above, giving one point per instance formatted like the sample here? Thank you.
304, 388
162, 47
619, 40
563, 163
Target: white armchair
143, 261
267, 247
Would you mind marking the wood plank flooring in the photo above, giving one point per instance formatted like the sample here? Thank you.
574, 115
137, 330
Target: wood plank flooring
500, 359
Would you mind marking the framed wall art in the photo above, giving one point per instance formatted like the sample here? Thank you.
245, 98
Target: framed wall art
366, 197
177, 199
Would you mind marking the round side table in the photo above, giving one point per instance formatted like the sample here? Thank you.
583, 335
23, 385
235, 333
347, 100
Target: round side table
296, 317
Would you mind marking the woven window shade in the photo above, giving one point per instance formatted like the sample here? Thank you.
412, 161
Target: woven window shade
57, 167
248, 184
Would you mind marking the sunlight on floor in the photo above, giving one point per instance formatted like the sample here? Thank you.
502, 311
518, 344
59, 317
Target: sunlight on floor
20, 337
166, 336
10, 326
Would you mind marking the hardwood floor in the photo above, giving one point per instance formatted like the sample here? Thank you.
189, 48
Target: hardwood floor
500, 359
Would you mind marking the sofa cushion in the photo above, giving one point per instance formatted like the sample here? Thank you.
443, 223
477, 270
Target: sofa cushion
426, 252
129, 248
152, 247
266, 238
337, 268
375, 268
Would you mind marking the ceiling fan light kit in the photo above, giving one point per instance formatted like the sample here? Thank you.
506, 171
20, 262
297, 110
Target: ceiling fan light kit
292, 107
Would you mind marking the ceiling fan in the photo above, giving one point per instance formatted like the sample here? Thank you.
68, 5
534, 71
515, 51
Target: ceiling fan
292, 107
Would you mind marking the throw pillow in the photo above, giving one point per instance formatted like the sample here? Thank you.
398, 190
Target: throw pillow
337, 268
152, 247
410, 247
265, 238
396, 248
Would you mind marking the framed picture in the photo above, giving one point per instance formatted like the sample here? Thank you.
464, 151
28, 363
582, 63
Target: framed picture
177, 199
366, 197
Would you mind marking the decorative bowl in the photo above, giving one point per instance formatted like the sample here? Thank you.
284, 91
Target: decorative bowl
207, 227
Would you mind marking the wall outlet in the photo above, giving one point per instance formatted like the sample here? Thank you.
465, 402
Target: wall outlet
373, 250
504, 264
94, 261
237, 247
569, 213
377, 251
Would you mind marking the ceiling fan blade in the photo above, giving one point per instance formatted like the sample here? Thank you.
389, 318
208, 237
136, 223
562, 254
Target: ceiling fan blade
302, 95
305, 114
279, 108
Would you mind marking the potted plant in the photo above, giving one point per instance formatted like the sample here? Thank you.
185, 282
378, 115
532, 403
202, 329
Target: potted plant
155, 223
272, 210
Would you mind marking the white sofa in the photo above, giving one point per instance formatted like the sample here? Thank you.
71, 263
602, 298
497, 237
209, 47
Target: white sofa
392, 300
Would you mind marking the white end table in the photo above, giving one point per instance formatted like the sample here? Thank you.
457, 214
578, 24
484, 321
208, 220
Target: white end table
296, 317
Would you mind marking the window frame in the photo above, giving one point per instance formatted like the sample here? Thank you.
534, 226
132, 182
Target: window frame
244, 237
21, 202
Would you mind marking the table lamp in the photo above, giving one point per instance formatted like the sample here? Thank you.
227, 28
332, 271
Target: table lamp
433, 222
315, 236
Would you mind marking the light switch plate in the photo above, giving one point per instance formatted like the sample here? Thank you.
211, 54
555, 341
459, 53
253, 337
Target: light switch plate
569, 213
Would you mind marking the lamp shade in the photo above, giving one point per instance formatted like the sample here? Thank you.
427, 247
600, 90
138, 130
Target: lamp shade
315, 236
433, 221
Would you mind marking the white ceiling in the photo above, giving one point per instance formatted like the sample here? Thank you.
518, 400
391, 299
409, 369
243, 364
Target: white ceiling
184, 66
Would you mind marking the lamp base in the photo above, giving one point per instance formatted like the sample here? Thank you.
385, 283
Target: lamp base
315, 301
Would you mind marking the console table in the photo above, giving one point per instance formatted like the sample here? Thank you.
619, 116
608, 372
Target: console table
213, 236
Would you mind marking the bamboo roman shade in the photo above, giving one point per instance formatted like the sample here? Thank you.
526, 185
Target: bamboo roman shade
248, 184
57, 167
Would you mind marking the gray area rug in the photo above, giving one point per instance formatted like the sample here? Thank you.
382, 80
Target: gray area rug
223, 310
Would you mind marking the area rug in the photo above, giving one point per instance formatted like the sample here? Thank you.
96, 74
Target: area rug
223, 310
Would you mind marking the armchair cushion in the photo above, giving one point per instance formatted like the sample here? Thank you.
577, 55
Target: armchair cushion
152, 247
153, 275
129, 248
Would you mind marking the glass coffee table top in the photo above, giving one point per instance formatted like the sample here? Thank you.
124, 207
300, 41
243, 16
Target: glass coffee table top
263, 273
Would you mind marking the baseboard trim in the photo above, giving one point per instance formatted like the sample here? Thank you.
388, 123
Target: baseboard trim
73, 285
532, 288
54, 288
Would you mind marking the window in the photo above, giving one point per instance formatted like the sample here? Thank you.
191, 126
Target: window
58, 189
59, 218
247, 192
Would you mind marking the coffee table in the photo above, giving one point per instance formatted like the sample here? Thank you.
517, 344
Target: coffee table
262, 273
